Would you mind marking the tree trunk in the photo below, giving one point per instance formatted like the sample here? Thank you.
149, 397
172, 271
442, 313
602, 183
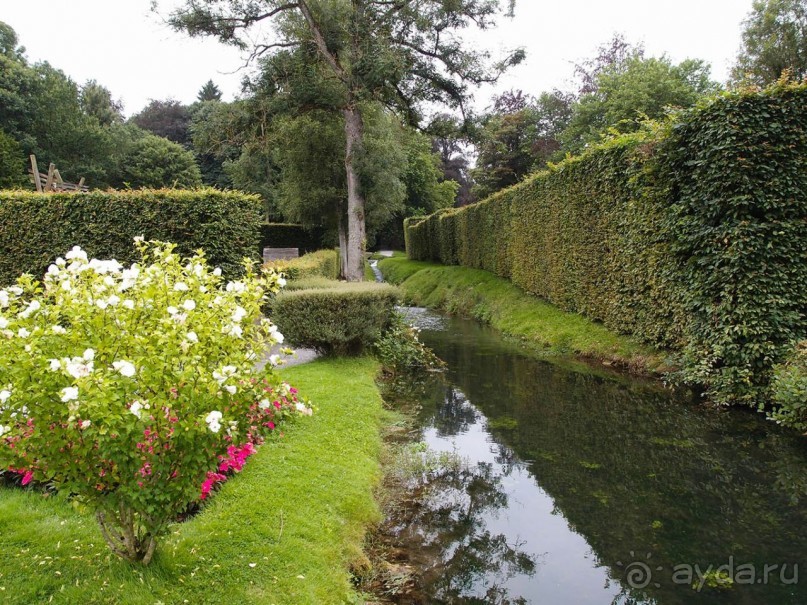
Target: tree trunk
356, 240
341, 225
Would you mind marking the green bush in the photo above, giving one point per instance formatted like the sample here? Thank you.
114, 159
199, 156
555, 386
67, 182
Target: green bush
341, 320
691, 236
312, 283
284, 235
12, 163
322, 263
157, 162
790, 389
36, 228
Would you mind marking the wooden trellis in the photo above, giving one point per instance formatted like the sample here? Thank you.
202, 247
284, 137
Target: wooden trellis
52, 181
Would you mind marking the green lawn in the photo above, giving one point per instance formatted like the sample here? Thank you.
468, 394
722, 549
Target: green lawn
542, 326
285, 530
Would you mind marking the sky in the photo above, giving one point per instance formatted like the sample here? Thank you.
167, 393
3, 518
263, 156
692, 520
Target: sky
127, 48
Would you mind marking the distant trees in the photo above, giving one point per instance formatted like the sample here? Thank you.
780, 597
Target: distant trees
774, 41
209, 92
168, 118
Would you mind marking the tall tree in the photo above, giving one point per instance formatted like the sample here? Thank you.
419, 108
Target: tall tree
169, 118
774, 41
641, 88
96, 101
400, 53
209, 92
517, 137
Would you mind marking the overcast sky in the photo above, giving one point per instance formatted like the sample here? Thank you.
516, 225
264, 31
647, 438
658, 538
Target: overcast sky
128, 49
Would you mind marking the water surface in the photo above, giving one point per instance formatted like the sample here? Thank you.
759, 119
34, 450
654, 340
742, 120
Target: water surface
589, 489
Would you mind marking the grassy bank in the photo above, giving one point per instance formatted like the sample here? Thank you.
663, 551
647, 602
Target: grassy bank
496, 301
286, 530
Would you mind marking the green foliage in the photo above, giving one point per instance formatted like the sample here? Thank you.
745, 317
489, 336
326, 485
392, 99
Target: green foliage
36, 228
774, 42
12, 163
628, 93
736, 177
125, 386
209, 92
341, 320
322, 263
286, 235
169, 119
789, 389
155, 162
96, 101
624, 236
400, 351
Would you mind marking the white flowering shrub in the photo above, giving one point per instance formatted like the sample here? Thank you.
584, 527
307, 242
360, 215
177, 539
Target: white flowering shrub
134, 388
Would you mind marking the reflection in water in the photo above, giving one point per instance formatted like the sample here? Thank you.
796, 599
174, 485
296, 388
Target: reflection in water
575, 482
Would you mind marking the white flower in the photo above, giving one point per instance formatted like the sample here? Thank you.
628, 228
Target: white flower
275, 334
226, 372
69, 394
181, 286
126, 368
274, 359
60, 262
58, 330
135, 408
3, 298
172, 310
213, 421
106, 266
264, 403
129, 303
217, 271
113, 300
5, 394
281, 281
303, 409
76, 253
239, 314
233, 330
235, 286
77, 368
55, 365
15, 290
189, 305
3, 323
89, 354
66, 286
85, 423
23, 333
231, 389
180, 317
191, 337
138, 238
102, 304
32, 307
109, 282
4, 430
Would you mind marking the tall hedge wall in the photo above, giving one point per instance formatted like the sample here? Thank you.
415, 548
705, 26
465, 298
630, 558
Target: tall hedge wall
287, 235
37, 228
691, 236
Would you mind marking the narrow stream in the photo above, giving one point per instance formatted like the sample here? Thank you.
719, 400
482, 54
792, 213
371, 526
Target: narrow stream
587, 489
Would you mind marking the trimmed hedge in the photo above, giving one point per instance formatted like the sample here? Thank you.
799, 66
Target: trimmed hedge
37, 228
287, 235
691, 236
342, 319
322, 263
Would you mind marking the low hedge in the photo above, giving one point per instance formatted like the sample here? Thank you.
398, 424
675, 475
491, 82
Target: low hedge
323, 263
342, 319
287, 235
691, 235
37, 228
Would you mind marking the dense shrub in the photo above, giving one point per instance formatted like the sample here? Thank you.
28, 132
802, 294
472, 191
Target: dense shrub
135, 388
12, 163
790, 389
36, 228
692, 235
323, 263
284, 235
342, 320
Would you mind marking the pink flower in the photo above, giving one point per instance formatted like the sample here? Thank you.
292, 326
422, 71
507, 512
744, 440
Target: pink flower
26, 478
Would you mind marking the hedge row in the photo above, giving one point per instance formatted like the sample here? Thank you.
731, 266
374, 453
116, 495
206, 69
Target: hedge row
342, 318
286, 235
691, 236
37, 228
322, 263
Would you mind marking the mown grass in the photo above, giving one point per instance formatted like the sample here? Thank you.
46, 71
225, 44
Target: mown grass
542, 326
284, 531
